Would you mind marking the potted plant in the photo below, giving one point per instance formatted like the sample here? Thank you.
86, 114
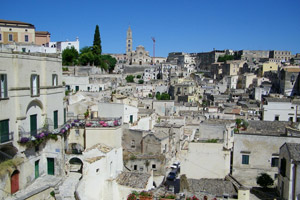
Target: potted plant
144, 195
167, 197
131, 196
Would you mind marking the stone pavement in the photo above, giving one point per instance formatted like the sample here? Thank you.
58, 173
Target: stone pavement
40, 184
67, 189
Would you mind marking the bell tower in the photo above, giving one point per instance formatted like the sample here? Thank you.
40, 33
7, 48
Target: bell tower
129, 41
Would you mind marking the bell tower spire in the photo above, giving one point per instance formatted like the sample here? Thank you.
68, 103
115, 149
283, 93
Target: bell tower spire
129, 41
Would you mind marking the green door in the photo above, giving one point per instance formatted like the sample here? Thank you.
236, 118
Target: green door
50, 162
55, 119
33, 124
4, 131
131, 119
76, 88
36, 168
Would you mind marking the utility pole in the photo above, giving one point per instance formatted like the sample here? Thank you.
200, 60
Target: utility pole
153, 58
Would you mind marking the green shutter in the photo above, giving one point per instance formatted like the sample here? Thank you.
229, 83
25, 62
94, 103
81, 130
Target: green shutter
37, 170
50, 163
55, 119
4, 131
33, 124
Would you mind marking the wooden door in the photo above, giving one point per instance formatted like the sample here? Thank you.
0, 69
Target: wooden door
4, 131
55, 119
37, 169
33, 124
50, 162
15, 181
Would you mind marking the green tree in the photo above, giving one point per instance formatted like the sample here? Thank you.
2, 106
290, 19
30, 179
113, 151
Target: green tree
141, 81
97, 42
225, 57
264, 180
110, 61
70, 56
165, 96
138, 76
86, 58
129, 78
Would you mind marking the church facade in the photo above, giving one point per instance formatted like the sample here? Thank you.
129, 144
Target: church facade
138, 57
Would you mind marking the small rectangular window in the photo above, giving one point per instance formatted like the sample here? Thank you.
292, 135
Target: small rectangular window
245, 159
0, 36
35, 85
274, 162
54, 80
10, 37
154, 166
134, 167
26, 38
3, 86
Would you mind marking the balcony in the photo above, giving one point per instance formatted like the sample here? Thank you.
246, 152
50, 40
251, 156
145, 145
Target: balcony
6, 138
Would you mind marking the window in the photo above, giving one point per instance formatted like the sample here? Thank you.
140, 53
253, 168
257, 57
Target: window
10, 37
0, 36
274, 162
55, 119
132, 144
35, 85
276, 117
54, 80
4, 131
245, 159
26, 38
128, 45
128, 41
3, 86
134, 167
154, 166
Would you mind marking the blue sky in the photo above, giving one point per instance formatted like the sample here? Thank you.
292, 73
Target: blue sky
178, 25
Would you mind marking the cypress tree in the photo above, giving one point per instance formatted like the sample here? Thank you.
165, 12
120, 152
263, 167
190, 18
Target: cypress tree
97, 41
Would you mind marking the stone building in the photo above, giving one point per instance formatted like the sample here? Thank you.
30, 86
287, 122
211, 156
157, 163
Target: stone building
256, 150
16, 31
32, 112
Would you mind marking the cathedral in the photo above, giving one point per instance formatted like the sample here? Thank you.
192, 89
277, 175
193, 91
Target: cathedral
138, 57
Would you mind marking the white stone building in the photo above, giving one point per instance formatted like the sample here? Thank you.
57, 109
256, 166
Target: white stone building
128, 113
31, 101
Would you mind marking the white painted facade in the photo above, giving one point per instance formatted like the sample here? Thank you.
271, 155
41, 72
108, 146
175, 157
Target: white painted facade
82, 83
61, 46
20, 104
115, 110
205, 160
280, 111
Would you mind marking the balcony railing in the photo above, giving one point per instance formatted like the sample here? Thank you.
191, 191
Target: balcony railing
32, 133
4, 138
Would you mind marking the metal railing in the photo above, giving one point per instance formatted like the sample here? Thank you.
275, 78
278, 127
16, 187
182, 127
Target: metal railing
7, 137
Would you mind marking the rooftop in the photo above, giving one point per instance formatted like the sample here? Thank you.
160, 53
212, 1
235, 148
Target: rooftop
272, 99
133, 179
217, 187
168, 125
15, 23
218, 121
294, 151
273, 128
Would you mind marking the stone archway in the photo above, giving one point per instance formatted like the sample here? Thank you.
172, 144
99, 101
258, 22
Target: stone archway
75, 165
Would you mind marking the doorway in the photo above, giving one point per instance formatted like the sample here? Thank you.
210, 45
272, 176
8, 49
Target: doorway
15, 181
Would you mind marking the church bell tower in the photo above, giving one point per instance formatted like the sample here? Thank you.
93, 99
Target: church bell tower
129, 41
